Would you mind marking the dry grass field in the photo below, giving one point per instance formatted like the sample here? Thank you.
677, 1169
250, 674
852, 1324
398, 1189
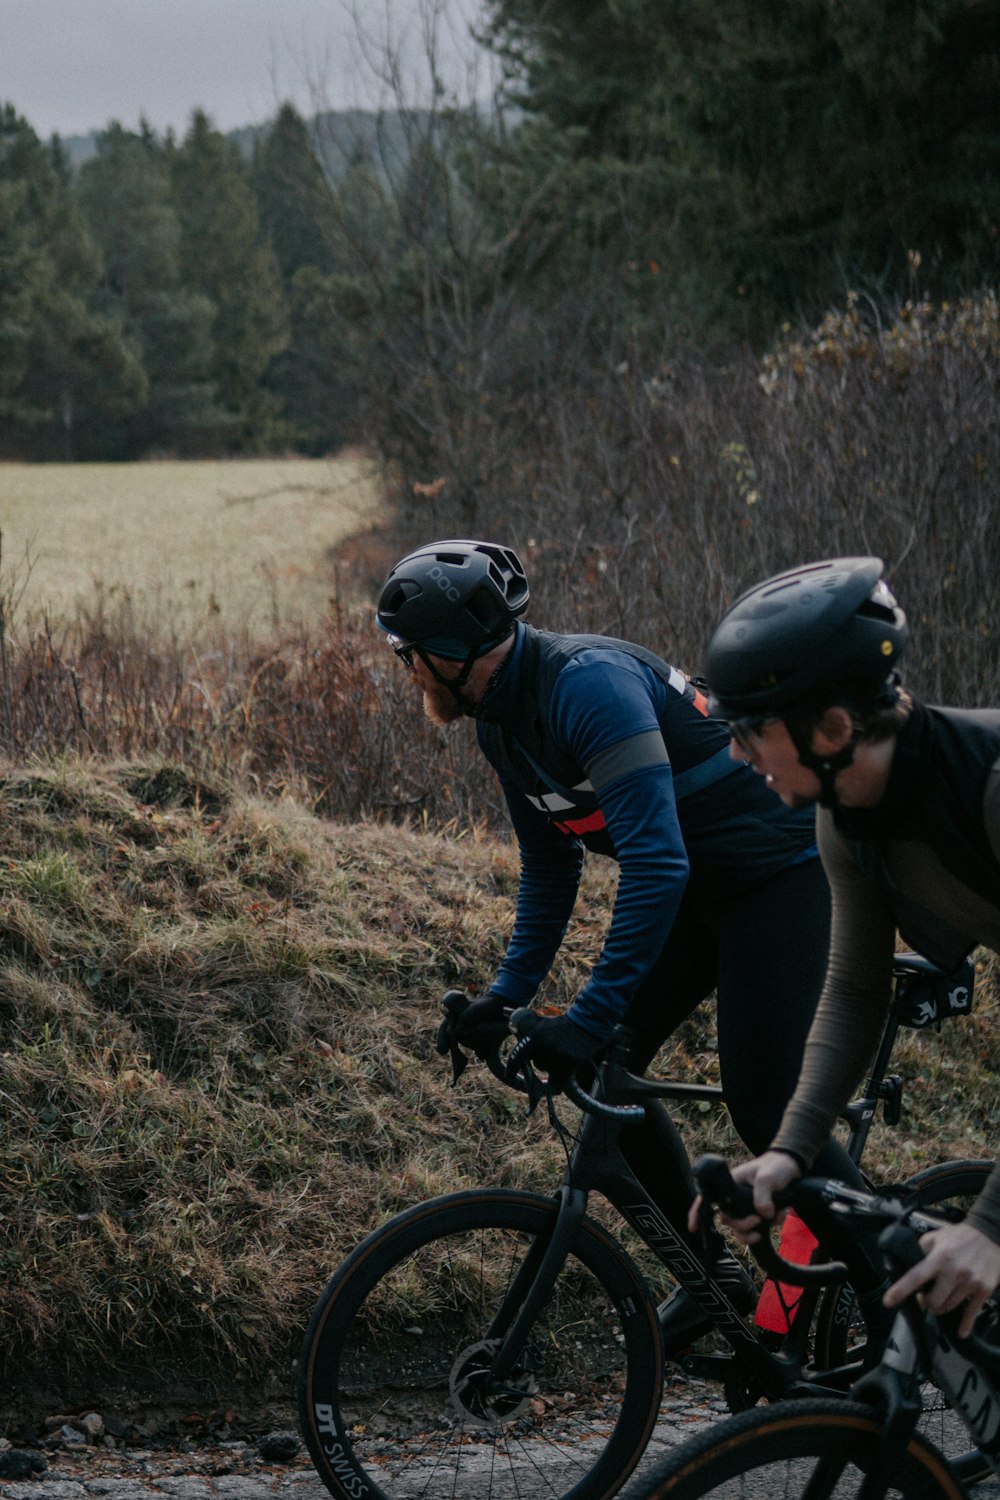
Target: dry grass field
245, 543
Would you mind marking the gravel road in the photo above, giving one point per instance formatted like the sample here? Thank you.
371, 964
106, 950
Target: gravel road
78, 1469
273, 1467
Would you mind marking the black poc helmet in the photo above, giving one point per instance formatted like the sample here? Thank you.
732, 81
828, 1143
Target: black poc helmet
456, 599
805, 638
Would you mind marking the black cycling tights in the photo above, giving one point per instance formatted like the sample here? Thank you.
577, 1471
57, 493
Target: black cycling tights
764, 954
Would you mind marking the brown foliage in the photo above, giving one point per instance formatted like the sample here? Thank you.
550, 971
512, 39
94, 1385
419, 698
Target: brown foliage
643, 496
327, 712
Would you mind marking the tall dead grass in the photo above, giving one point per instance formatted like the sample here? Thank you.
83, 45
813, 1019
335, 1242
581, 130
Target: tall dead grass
216, 1018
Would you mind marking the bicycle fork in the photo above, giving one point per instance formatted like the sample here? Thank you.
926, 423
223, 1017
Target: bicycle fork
532, 1286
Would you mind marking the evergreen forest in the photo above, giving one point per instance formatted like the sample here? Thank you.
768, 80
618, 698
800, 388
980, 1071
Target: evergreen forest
649, 179
699, 290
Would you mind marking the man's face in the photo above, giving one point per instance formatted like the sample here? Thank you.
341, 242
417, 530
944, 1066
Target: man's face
441, 704
772, 754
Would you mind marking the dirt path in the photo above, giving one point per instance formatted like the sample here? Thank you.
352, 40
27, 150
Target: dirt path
247, 1469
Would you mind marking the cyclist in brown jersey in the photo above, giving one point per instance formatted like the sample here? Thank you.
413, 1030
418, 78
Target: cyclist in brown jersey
908, 826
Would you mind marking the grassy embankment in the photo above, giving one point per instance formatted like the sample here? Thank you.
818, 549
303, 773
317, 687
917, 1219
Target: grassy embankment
217, 1071
216, 1023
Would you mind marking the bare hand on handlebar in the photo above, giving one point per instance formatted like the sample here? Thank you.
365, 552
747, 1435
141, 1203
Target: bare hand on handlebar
723, 1193
767, 1175
960, 1265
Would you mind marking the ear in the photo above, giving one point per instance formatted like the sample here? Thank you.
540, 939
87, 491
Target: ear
834, 729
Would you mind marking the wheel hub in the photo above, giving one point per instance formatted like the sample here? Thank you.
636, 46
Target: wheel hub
478, 1398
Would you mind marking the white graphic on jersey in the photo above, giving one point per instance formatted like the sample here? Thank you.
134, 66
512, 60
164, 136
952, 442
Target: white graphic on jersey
552, 802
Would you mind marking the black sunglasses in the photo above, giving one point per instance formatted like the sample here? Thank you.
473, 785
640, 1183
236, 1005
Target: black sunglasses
746, 729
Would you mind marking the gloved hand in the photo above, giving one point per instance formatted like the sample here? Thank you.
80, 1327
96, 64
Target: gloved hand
555, 1044
480, 1024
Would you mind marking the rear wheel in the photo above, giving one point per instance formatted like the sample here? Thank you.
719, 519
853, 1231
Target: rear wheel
396, 1389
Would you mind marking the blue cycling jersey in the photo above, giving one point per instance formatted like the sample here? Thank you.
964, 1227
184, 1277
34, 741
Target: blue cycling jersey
600, 744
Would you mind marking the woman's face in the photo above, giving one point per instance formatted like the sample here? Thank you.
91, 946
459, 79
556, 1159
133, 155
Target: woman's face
772, 754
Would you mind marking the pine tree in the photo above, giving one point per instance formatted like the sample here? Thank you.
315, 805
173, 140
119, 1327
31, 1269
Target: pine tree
225, 257
295, 199
298, 215
766, 153
126, 194
62, 362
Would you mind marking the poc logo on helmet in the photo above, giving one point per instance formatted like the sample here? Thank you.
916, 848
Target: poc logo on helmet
439, 578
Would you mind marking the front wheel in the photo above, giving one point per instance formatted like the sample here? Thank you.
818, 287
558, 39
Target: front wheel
396, 1392
817, 1448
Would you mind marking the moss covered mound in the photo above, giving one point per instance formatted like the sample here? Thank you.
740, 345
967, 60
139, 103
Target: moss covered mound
216, 1025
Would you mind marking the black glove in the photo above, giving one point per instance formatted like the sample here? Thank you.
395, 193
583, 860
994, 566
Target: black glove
480, 1025
556, 1044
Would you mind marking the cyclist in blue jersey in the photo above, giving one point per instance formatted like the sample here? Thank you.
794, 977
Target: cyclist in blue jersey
600, 745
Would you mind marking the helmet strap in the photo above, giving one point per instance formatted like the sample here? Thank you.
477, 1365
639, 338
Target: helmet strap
453, 684
826, 768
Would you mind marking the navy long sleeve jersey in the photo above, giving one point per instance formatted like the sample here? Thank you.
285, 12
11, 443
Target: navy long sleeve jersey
599, 744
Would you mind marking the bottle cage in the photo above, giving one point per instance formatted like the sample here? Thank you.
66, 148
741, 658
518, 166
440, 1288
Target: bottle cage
928, 999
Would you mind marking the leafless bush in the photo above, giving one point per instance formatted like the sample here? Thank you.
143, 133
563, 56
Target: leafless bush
647, 493
327, 713
646, 481
644, 496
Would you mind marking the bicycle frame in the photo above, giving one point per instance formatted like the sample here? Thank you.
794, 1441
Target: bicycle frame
597, 1164
919, 1345
966, 1371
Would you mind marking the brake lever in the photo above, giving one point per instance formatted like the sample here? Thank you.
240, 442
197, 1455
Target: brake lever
459, 1062
453, 1002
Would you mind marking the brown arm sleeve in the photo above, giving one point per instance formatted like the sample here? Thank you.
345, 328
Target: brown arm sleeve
852, 1008
985, 1212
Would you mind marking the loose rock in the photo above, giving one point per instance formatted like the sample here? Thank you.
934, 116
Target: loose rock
15, 1463
279, 1447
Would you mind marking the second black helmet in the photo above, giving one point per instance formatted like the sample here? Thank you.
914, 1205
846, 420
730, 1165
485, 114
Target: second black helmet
803, 638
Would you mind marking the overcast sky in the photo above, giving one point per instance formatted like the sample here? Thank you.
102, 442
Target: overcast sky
72, 66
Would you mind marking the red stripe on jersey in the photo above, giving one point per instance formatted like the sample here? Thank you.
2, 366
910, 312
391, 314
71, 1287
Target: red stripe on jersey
583, 825
701, 703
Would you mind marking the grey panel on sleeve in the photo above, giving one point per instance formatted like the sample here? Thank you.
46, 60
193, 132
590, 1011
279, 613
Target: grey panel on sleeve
621, 759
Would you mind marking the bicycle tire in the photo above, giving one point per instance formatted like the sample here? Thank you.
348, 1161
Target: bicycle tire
838, 1327
773, 1451
390, 1389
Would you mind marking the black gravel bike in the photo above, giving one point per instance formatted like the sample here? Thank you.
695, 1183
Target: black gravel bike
497, 1342
867, 1447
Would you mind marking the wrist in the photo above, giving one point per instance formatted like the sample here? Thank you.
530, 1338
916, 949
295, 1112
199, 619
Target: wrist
794, 1156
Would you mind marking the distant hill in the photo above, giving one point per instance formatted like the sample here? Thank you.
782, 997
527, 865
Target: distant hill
79, 148
340, 136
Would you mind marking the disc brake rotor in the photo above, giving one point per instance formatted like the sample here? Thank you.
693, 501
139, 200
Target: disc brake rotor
478, 1398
